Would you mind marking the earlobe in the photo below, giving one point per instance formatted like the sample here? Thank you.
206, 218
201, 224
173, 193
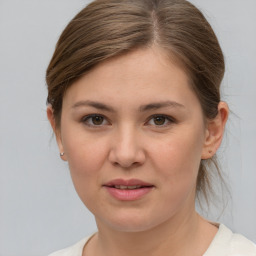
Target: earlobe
215, 131
56, 131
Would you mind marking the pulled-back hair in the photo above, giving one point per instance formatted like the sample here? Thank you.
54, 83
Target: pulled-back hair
108, 28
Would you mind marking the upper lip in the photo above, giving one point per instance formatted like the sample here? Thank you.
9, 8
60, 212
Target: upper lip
130, 182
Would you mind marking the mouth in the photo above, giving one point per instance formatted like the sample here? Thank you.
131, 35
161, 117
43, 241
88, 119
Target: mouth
129, 187
128, 184
128, 190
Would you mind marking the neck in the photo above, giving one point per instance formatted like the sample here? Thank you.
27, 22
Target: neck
178, 236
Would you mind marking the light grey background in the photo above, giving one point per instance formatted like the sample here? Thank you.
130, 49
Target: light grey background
39, 209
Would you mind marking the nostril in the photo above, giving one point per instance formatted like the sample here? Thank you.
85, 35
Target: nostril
126, 165
126, 155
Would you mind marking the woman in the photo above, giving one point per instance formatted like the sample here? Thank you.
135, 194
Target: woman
134, 101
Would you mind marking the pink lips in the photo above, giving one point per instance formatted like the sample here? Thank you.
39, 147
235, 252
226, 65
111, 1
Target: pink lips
128, 190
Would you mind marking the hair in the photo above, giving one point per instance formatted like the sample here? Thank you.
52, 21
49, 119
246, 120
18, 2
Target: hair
108, 28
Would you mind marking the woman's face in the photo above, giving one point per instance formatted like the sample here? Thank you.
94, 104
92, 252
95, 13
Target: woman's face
133, 134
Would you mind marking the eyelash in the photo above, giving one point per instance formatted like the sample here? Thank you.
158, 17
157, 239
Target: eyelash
169, 119
86, 119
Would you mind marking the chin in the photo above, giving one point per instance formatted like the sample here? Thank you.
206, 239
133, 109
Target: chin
131, 227
129, 222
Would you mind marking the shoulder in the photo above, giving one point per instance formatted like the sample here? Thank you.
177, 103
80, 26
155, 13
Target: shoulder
227, 243
74, 250
240, 245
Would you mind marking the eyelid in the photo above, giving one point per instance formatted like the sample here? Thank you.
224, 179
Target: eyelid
170, 119
84, 120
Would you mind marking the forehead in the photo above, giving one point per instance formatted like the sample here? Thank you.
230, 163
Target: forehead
135, 64
137, 77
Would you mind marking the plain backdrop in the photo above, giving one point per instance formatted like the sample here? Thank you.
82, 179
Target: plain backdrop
39, 209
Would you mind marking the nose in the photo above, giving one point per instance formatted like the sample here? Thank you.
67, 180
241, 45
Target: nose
126, 148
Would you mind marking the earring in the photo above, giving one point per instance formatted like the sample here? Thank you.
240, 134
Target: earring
62, 154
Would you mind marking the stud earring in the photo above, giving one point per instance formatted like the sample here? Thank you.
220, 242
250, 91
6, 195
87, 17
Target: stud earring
62, 154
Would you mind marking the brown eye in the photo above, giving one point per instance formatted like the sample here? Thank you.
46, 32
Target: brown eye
159, 120
97, 120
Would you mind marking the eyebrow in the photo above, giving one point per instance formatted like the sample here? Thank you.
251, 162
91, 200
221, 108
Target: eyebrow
143, 108
94, 104
158, 105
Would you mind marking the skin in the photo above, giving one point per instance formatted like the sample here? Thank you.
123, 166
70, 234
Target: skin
127, 141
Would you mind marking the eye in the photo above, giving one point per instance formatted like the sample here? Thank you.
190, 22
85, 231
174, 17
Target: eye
160, 120
95, 120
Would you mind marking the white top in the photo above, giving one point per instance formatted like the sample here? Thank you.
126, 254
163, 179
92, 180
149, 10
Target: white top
225, 243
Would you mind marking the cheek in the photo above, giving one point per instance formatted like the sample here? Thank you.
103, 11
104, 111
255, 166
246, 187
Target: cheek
178, 160
83, 151
86, 156
177, 166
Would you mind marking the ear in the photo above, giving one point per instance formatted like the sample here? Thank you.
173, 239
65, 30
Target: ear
56, 131
214, 131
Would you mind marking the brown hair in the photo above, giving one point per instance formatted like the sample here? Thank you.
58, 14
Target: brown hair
107, 28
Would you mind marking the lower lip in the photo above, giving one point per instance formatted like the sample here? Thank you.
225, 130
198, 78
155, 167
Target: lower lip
128, 194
